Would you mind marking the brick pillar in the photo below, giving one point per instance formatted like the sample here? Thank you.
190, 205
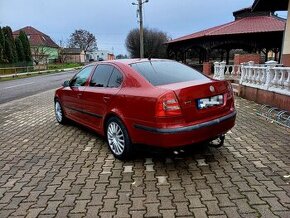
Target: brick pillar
207, 68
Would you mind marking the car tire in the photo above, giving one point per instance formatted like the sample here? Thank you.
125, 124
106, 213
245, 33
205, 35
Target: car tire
118, 139
59, 114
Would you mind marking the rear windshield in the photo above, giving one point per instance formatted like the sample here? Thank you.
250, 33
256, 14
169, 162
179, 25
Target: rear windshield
167, 72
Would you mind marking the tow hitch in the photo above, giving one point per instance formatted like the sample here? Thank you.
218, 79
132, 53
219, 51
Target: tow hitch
216, 143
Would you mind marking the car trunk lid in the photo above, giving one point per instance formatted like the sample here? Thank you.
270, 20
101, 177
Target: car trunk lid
189, 95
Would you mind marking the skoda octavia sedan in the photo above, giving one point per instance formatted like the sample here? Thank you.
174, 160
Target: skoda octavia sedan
155, 102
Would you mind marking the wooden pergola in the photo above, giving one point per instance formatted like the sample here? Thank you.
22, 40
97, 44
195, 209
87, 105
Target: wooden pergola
251, 31
278, 5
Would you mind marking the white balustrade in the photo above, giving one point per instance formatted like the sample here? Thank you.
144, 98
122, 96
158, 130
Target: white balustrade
253, 76
275, 79
219, 70
270, 76
281, 80
222, 71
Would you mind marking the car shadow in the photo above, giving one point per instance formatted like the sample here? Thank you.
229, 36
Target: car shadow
196, 151
141, 152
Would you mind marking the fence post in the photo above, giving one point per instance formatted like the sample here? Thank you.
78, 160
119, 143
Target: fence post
222, 70
269, 73
216, 70
243, 72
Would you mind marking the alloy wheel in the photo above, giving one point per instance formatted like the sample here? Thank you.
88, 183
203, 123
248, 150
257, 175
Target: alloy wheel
58, 112
116, 138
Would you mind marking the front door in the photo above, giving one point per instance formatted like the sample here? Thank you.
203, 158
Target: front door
72, 96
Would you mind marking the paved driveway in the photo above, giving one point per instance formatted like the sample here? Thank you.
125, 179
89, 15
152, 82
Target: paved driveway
49, 170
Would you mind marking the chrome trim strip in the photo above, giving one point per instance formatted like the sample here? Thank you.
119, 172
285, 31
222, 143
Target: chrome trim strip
85, 112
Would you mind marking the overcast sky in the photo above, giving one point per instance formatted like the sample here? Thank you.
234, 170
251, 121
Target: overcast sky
111, 20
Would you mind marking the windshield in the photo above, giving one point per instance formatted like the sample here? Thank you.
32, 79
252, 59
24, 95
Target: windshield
167, 72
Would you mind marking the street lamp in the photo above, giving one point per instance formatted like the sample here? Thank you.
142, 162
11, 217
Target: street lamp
140, 12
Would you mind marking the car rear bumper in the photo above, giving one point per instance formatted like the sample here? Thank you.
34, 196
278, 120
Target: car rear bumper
175, 137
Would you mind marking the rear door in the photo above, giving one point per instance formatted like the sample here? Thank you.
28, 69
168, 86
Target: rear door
104, 85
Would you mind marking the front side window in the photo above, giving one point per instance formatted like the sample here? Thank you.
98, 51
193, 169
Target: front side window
81, 78
116, 79
101, 75
167, 72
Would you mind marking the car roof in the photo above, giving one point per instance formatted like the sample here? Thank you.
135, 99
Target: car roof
130, 61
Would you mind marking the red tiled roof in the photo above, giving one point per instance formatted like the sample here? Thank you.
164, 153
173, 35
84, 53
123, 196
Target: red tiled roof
36, 38
255, 24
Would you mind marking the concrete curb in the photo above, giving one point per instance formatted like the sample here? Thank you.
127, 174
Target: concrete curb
39, 72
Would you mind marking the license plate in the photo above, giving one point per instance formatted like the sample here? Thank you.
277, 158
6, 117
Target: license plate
210, 102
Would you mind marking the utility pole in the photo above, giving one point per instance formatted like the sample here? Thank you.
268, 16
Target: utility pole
141, 31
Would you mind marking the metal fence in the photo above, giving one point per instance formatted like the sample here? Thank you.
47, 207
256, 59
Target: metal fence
25, 69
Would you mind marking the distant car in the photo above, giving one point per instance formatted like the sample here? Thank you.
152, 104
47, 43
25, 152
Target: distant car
155, 102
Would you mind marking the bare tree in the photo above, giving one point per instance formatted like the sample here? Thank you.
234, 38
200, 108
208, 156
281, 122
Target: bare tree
154, 43
83, 39
39, 55
61, 52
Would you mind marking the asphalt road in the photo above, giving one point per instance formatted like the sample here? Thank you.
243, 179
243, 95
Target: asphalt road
16, 89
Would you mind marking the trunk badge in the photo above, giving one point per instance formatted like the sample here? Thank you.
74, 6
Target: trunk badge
211, 88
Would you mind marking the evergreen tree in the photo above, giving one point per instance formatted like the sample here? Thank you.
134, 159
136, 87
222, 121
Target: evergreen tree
26, 46
2, 45
12, 54
19, 49
9, 57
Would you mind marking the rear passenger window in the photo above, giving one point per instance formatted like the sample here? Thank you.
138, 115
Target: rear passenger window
116, 79
101, 75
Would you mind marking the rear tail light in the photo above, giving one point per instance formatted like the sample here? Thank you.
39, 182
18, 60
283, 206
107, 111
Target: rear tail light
167, 105
230, 91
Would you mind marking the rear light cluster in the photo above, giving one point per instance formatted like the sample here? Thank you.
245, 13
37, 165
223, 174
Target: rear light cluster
167, 105
230, 91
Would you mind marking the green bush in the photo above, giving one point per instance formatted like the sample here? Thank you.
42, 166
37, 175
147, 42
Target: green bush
63, 66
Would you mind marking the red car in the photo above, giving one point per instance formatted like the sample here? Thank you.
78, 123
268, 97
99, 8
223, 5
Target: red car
155, 102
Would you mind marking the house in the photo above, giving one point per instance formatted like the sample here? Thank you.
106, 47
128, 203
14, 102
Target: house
72, 55
43, 49
281, 5
111, 56
99, 55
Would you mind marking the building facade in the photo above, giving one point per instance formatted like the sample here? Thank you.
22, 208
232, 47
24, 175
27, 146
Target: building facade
43, 49
72, 55
99, 55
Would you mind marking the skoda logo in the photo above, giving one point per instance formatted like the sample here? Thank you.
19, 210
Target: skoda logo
211, 88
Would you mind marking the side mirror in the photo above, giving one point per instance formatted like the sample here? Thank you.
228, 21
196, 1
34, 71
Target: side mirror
66, 83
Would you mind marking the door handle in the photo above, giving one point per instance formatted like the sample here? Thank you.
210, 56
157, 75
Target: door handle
79, 95
106, 98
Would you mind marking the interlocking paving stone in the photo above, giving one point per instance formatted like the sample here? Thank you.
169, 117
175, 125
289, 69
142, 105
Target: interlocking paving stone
50, 170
